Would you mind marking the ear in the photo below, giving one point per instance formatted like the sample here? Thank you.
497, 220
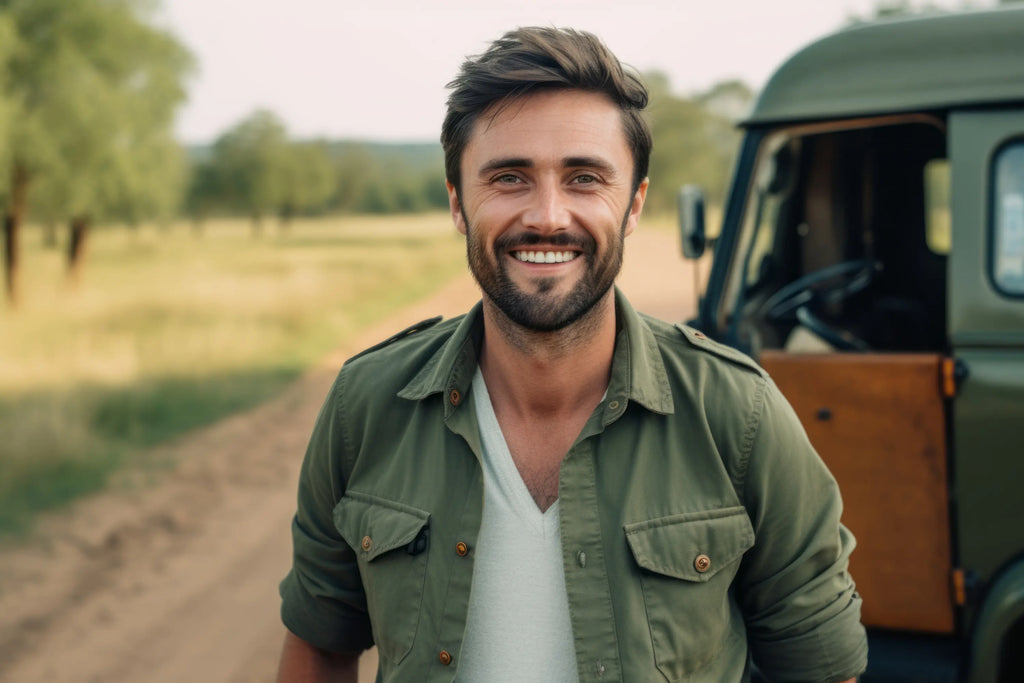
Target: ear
637, 206
455, 207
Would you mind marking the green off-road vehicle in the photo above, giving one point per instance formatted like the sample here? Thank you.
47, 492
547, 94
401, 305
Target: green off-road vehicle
871, 258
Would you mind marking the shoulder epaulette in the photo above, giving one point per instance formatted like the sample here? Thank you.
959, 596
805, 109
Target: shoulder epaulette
398, 336
701, 341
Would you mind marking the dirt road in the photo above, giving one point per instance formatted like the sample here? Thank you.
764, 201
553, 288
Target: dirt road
176, 579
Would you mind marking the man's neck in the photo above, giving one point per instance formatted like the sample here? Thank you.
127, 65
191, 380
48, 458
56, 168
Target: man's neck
546, 373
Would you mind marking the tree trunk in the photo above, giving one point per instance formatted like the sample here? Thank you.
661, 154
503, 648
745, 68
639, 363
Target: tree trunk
11, 265
76, 248
287, 213
50, 235
12, 234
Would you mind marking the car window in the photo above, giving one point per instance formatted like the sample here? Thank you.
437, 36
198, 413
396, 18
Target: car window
1008, 220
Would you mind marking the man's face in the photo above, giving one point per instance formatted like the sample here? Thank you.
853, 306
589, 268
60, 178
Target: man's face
546, 203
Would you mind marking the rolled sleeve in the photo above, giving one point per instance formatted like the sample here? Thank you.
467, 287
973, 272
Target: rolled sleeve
800, 604
322, 596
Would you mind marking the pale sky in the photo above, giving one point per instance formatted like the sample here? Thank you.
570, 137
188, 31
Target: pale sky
347, 69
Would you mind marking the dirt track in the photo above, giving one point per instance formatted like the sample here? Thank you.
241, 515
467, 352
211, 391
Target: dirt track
176, 580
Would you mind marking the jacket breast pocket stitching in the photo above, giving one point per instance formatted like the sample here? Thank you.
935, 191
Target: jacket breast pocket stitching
670, 545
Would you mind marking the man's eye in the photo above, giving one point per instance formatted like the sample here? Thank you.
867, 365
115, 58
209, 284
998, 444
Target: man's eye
584, 179
508, 179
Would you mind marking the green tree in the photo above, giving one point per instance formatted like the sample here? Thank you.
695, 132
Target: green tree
10, 235
354, 164
694, 139
203, 196
94, 90
349, 181
307, 179
251, 161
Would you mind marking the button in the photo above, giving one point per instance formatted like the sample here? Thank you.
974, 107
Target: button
445, 657
581, 558
455, 397
613, 405
367, 543
699, 335
461, 549
702, 563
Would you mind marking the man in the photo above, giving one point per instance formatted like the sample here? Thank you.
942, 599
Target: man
553, 487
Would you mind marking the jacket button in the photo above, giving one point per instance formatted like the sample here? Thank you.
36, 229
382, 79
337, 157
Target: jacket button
461, 549
367, 543
445, 657
581, 559
455, 397
702, 563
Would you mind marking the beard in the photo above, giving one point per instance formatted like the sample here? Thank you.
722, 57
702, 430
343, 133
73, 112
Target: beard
544, 310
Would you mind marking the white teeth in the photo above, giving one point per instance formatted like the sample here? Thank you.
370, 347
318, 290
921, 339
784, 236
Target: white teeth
545, 256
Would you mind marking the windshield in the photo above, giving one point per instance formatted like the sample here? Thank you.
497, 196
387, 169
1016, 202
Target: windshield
853, 217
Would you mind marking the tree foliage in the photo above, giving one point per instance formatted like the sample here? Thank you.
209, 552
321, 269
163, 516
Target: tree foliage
249, 164
378, 178
256, 169
93, 88
695, 139
308, 178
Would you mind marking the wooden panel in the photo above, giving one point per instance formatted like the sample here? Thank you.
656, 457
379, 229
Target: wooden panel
878, 423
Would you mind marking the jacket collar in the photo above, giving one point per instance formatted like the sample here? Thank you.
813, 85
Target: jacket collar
638, 373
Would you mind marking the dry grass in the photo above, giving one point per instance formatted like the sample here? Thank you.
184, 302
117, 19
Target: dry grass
169, 330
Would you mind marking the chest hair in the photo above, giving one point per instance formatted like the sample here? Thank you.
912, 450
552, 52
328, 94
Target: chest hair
538, 447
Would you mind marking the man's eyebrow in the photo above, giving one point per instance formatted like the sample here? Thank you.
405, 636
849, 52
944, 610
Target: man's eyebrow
589, 162
569, 162
508, 162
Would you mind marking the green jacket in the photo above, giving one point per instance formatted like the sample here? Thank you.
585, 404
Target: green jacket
697, 522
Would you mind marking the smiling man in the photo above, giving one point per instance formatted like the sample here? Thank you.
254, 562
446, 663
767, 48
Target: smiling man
554, 487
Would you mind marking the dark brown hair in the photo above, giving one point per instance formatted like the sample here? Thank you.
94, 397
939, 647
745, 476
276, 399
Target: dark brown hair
530, 59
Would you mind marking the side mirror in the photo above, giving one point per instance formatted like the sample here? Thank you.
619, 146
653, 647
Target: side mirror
691, 221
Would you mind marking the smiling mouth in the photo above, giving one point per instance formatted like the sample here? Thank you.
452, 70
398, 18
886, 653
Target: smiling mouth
545, 256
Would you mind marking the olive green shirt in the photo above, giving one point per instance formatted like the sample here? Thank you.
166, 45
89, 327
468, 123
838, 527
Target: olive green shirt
697, 523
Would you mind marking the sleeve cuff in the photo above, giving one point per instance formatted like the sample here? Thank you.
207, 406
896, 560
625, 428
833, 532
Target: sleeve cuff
837, 650
328, 625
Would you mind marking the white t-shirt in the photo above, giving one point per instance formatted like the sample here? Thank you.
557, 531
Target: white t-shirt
518, 628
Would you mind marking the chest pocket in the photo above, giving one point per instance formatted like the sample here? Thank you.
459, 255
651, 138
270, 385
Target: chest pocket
391, 543
687, 564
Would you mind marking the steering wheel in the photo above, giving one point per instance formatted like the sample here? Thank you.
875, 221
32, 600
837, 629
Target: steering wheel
825, 286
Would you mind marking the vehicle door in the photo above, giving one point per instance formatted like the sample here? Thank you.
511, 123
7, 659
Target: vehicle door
986, 318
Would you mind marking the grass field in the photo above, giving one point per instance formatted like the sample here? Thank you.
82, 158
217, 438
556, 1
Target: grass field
169, 330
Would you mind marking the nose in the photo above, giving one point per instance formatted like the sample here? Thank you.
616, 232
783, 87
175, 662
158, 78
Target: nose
549, 209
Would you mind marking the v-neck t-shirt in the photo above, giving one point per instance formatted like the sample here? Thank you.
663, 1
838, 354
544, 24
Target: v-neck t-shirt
518, 627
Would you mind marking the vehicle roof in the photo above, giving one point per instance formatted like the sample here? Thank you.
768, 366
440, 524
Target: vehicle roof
930, 62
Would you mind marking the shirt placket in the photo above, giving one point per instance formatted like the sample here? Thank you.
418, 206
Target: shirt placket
462, 422
586, 574
457, 594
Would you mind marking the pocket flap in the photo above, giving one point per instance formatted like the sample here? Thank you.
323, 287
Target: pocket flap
374, 526
692, 546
